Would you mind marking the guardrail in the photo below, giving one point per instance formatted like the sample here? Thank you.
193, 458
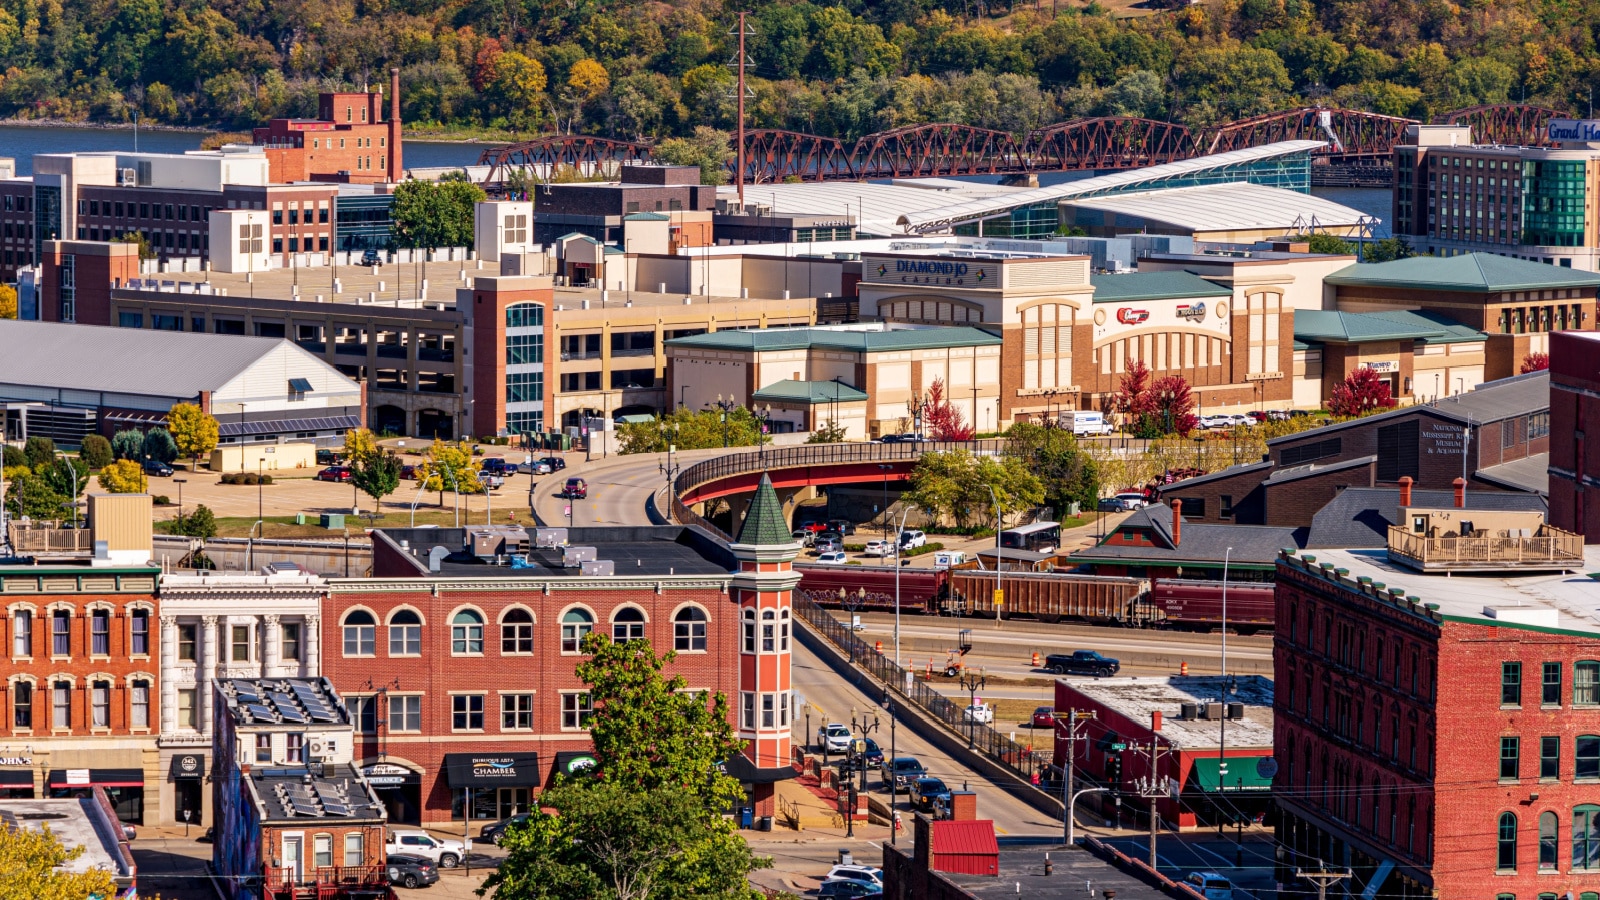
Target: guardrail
1550, 546
1021, 760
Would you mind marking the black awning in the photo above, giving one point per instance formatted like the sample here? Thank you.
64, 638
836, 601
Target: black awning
739, 766
70, 778
477, 770
573, 762
188, 766
10, 778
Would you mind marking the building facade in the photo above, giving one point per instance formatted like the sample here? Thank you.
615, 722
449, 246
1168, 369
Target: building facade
1575, 412
348, 141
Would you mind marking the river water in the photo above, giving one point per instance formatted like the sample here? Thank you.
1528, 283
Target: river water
22, 142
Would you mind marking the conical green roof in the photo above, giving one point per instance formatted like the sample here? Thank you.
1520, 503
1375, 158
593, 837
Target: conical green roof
764, 522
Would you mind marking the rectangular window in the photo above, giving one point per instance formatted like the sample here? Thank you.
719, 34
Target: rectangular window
139, 703
523, 349
187, 709
22, 633
241, 643
1225, 506
354, 849
466, 712
1510, 758
186, 642
1550, 693
1550, 757
524, 387
61, 704
263, 748
294, 749
1586, 683
1586, 757
516, 712
1511, 684
100, 704
768, 711
100, 632
290, 642
575, 712
747, 711
140, 630
61, 633
405, 713
1398, 450
363, 714
22, 705
322, 851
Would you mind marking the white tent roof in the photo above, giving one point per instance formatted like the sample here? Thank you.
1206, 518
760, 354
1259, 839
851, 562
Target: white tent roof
1225, 207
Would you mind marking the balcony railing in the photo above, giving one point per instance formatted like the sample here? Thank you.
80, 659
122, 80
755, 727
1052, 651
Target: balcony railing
1549, 547
35, 537
285, 882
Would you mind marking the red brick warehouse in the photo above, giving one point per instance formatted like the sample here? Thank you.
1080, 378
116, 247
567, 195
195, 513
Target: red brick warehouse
450, 659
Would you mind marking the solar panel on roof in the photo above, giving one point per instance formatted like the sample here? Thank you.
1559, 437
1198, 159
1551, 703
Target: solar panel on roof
336, 809
323, 716
292, 715
258, 711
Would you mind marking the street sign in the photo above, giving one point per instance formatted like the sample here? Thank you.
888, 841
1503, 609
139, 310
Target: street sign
1086, 714
999, 597
1119, 747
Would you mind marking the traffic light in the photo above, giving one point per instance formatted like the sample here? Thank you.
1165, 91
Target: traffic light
1114, 769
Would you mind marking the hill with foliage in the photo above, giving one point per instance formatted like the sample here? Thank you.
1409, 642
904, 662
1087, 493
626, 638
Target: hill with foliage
657, 69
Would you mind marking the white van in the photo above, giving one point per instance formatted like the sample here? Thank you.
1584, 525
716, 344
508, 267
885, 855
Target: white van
1210, 885
1085, 424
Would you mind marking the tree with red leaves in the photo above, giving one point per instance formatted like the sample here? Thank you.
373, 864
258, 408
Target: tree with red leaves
1535, 362
1133, 399
943, 420
1361, 393
1174, 405
1153, 409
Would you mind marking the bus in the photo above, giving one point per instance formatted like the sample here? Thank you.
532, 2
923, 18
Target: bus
1040, 537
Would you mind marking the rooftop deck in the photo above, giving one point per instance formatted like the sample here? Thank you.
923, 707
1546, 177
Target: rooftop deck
1448, 540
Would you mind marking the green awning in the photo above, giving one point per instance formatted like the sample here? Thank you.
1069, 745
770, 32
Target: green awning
1244, 774
636, 418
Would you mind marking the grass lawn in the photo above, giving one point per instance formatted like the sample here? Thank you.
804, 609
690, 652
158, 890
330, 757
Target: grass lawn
285, 527
1017, 715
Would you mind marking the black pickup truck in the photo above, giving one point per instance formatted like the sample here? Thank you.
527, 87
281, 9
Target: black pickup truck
1081, 662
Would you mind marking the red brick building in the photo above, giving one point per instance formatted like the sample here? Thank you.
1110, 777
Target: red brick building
348, 141
1575, 414
1441, 738
451, 659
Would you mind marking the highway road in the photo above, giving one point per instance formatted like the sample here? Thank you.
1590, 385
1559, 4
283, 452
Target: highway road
619, 487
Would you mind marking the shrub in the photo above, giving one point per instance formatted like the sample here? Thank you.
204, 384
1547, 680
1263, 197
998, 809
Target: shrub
161, 500
39, 451
266, 479
96, 452
202, 523
930, 547
15, 457
127, 444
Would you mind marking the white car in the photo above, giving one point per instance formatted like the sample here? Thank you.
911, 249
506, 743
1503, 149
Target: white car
1132, 500
832, 558
835, 737
447, 853
911, 539
982, 713
865, 874
878, 548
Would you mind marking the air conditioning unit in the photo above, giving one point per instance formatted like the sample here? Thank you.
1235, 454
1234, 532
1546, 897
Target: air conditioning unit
317, 750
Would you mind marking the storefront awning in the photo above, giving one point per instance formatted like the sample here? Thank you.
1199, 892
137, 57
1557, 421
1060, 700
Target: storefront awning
573, 762
69, 778
1244, 774
10, 778
188, 766
740, 767
474, 770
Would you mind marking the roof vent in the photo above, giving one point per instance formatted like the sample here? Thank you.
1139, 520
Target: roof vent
436, 556
575, 557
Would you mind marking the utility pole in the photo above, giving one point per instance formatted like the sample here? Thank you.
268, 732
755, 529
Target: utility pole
1067, 769
1323, 878
1222, 727
1153, 789
738, 174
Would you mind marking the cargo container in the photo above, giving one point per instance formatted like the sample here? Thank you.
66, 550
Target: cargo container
1197, 605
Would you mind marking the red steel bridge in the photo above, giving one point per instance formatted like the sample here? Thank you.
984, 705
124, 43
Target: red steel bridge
1356, 141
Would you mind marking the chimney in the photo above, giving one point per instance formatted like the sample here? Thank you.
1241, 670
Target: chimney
1177, 522
394, 125
1155, 720
1460, 484
963, 806
1405, 491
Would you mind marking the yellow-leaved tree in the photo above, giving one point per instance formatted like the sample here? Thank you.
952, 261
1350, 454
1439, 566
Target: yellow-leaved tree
194, 431
359, 444
33, 864
8, 302
122, 477
449, 467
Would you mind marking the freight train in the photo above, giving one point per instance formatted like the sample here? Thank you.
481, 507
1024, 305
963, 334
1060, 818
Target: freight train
1047, 596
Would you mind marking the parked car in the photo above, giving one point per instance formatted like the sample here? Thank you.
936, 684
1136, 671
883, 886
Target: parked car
1282, 415
1081, 662
903, 770
871, 758
849, 890
494, 831
1215, 421
1132, 499
910, 539
833, 558
576, 489
814, 527
409, 473
878, 548
372, 258
835, 737
335, 473
925, 790
536, 467
981, 713
908, 438
825, 545
447, 853
411, 871
496, 465
842, 526
1109, 504
1256, 416
555, 463
803, 537
1044, 717
1210, 885
157, 467
491, 481
329, 458
865, 874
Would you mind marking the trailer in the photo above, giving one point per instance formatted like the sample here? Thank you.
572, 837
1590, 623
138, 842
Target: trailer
1197, 605
1049, 596
872, 587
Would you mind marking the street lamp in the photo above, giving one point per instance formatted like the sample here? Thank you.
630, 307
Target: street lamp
763, 416
724, 406
885, 468
972, 684
180, 482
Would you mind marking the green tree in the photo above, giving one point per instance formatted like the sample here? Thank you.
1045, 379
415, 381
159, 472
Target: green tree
1067, 473
688, 429
830, 433
128, 444
30, 495
96, 451
708, 148
429, 215
1387, 249
194, 432
377, 475
159, 445
39, 450
13, 456
202, 523
956, 485
37, 867
65, 475
1321, 242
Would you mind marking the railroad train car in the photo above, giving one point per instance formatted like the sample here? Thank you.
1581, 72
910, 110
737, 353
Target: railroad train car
921, 590
1049, 596
1182, 603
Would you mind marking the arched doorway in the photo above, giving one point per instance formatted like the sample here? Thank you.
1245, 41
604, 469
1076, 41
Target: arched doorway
432, 423
389, 420
398, 784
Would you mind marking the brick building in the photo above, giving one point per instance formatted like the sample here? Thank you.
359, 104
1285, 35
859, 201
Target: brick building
1575, 413
600, 209
1441, 737
348, 141
451, 654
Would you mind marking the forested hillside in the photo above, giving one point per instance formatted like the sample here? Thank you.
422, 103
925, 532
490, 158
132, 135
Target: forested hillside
648, 69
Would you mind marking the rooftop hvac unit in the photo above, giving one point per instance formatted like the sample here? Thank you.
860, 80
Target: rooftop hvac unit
1213, 711
599, 567
127, 178
573, 557
549, 538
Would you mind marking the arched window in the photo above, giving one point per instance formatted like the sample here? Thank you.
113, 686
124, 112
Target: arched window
783, 630
1549, 840
405, 633
574, 625
689, 630
516, 632
466, 632
1585, 838
769, 631
1505, 859
360, 633
627, 625
748, 624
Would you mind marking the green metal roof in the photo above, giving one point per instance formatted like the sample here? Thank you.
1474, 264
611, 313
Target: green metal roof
814, 392
1453, 332
764, 522
1329, 327
1136, 286
647, 217
577, 234
839, 339
1470, 272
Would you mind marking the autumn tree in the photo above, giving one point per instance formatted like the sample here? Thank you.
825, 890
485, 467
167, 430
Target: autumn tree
1535, 362
1360, 393
194, 431
943, 419
359, 443
518, 83
37, 867
1133, 400
449, 465
1174, 405
587, 81
8, 302
123, 477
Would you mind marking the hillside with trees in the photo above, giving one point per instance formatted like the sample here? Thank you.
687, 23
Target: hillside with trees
657, 69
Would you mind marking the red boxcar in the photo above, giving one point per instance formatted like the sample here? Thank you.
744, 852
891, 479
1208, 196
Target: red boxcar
1180, 603
921, 590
